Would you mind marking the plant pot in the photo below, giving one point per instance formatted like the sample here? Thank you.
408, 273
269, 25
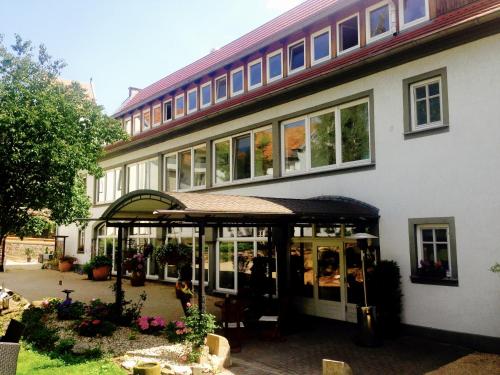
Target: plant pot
101, 273
148, 368
65, 266
28, 259
137, 278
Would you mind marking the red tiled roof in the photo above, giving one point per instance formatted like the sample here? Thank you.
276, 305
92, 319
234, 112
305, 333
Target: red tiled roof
286, 20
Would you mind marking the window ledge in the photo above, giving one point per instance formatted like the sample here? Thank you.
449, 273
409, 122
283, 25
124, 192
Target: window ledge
426, 131
433, 281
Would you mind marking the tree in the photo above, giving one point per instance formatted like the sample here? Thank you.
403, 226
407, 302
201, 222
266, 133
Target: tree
49, 134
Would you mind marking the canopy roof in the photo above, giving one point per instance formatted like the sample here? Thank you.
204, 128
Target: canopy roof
150, 205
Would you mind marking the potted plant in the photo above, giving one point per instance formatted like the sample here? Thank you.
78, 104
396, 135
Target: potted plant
101, 267
29, 253
137, 265
66, 263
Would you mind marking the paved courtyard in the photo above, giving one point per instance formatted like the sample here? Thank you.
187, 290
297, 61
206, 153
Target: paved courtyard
300, 353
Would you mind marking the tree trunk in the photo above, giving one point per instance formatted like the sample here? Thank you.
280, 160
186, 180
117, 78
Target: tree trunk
3, 241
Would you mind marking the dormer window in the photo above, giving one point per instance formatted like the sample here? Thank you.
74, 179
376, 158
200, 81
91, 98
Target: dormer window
167, 111
192, 100
157, 115
206, 94
237, 81
348, 34
275, 65
412, 12
220, 88
128, 126
320, 42
179, 105
296, 56
146, 119
255, 74
379, 21
137, 124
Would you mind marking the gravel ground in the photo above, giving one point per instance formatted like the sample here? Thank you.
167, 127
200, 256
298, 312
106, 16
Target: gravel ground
472, 364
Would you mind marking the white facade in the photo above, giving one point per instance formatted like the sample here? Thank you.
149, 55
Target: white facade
446, 174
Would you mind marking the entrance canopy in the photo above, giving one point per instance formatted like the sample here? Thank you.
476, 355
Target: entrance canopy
216, 209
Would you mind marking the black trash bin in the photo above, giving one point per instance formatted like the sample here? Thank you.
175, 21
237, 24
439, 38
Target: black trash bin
367, 324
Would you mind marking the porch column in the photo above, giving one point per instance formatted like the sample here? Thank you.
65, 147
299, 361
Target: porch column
119, 258
201, 268
270, 261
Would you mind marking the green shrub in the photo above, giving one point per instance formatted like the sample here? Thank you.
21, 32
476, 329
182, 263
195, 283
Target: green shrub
92, 328
36, 333
63, 347
100, 261
68, 310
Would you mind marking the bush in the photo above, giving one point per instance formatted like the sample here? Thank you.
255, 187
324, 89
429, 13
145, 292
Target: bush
36, 333
50, 304
150, 324
176, 332
94, 327
68, 310
97, 309
199, 326
64, 351
101, 261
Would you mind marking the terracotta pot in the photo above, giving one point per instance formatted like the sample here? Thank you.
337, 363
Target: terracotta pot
65, 266
101, 273
137, 278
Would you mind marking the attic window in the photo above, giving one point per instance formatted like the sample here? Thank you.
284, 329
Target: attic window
348, 34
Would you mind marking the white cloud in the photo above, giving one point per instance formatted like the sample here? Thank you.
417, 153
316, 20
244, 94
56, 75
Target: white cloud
282, 5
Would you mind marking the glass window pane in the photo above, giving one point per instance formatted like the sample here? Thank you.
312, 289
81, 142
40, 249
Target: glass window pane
206, 95
192, 96
328, 230
100, 189
222, 160
167, 111
118, 183
245, 232
420, 92
295, 146
221, 88
441, 235
434, 89
428, 252
245, 264
354, 274
421, 112
348, 33
171, 176
146, 120
227, 232
142, 176
153, 175
132, 178
237, 81
185, 169
275, 66
302, 272
156, 115
328, 273
226, 265
302, 231
137, 124
435, 109
413, 10
242, 157
296, 56
110, 180
205, 261
321, 46
427, 235
355, 133
379, 21
128, 126
442, 256
200, 166
256, 74
322, 140
263, 153
179, 106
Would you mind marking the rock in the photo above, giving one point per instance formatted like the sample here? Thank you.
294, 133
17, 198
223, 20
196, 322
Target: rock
81, 348
219, 346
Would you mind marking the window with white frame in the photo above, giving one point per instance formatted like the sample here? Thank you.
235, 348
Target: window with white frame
137, 124
275, 65
109, 186
296, 56
379, 21
222, 161
146, 119
255, 74
320, 46
220, 88
157, 115
412, 12
140, 238
186, 169
206, 94
179, 105
143, 175
128, 125
330, 138
192, 100
237, 81
348, 34
167, 111
426, 108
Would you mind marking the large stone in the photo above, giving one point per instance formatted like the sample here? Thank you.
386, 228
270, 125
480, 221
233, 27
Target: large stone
81, 348
219, 346
331, 367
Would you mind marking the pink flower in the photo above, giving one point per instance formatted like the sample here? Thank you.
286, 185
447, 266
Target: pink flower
179, 324
140, 266
188, 304
96, 322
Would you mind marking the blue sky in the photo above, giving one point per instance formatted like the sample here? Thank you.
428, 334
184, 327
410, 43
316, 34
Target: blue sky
122, 43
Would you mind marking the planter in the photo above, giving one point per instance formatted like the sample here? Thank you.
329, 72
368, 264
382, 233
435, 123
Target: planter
137, 278
101, 273
65, 266
150, 368
28, 259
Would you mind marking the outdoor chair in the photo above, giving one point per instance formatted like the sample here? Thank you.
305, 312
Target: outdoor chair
14, 332
8, 358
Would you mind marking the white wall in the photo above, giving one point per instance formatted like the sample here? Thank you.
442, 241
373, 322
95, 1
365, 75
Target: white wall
448, 174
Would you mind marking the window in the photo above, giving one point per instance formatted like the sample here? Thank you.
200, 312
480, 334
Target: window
296, 56
320, 43
241, 157
143, 175
425, 102
146, 119
81, 242
109, 186
192, 100
379, 21
157, 115
237, 81
137, 124
348, 34
263, 152
220, 88
206, 94
189, 172
167, 110
412, 12
335, 137
128, 126
275, 65
433, 250
179, 105
255, 74
222, 161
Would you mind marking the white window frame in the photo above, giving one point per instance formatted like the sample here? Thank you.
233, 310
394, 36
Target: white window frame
328, 30
105, 182
289, 47
413, 103
139, 116
268, 70
183, 108
420, 248
392, 21
339, 52
150, 119
165, 174
216, 99
177, 167
214, 157
131, 125
209, 84
147, 174
252, 153
249, 70
403, 25
195, 90
165, 112
339, 163
233, 72
153, 115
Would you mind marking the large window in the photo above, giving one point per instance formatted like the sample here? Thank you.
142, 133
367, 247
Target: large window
143, 175
146, 119
109, 186
128, 125
245, 156
192, 100
220, 88
348, 34
179, 106
186, 169
157, 115
275, 65
412, 12
206, 94
320, 43
433, 250
255, 74
329, 138
237, 81
379, 21
296, 56
137, 124
167, 110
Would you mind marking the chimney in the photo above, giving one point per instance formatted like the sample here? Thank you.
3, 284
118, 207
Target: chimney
132, 91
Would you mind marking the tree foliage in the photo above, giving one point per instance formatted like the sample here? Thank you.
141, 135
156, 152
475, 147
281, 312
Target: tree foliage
49, 134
